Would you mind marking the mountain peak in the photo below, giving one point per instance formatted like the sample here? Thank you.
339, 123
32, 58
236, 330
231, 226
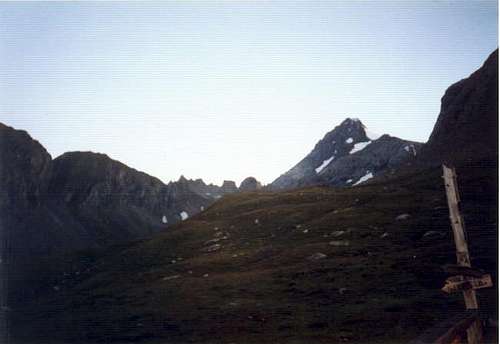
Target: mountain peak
182, 179
344, 154
350, 120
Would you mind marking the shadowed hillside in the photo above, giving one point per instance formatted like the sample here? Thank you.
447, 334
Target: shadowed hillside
312, 265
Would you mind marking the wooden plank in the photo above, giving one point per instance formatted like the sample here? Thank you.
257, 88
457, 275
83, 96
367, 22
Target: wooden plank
475, 333
457, 225
446, 331
458, 283
455, 270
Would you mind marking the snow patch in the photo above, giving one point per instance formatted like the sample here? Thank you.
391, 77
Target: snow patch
164, 219
348, 181
324, 164
359, 146
411, 149
363, 179
184, 215
349, 140
202, 208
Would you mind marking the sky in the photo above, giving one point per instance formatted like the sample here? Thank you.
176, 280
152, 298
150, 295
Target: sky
229, 89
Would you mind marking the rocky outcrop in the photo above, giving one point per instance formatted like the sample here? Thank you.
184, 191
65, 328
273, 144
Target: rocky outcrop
467, 126
209, 190
250, 184
347, 155
228, 187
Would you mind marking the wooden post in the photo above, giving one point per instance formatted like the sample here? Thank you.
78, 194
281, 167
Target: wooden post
463, 258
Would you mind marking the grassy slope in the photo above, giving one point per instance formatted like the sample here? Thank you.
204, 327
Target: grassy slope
260, 287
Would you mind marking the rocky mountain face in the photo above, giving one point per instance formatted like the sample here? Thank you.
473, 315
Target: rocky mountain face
348, 155
81, 199
31, 223
25, 167
229, 186
209, 190
216, 192
467, 126
104, 194
250, 184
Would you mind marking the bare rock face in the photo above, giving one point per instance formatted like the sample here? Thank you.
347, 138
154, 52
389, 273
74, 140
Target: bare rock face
25, 167
467, 126
250, 184
346, 156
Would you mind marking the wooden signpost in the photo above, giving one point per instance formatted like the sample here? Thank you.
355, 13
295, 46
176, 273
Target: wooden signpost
459, 283
463, 278
467, 279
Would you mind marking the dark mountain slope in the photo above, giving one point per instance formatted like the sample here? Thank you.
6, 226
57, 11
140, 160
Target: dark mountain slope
25, 167
104, 194
467, 126
347, 155
30, 224
78, 200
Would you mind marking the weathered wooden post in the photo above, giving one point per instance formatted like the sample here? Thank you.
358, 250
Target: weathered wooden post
466, 279
463, 259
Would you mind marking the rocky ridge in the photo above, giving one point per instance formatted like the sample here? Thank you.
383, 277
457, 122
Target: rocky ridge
83, 199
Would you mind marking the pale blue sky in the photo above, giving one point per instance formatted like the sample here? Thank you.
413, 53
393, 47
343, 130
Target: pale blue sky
226, 89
